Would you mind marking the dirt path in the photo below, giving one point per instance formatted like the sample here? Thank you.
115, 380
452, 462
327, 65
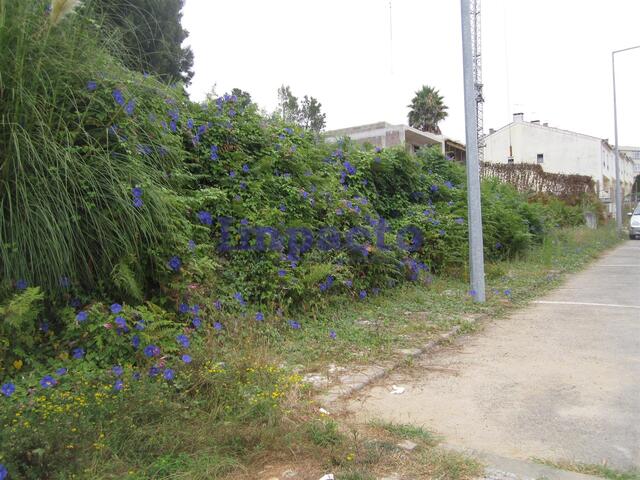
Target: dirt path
558, 380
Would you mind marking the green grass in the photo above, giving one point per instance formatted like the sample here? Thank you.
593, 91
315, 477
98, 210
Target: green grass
592, 469
409, 432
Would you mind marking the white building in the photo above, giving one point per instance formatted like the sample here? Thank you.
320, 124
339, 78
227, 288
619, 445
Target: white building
383, 134
559, 151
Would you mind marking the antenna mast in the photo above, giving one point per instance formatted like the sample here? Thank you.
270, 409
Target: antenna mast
476, 37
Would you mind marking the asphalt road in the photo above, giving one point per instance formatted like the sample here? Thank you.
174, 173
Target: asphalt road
558, 380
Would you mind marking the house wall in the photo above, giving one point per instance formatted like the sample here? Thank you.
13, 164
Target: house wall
563, 152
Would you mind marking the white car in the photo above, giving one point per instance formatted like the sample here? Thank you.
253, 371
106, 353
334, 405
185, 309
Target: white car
634, 223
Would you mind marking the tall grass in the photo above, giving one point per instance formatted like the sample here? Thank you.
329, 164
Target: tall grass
65, 181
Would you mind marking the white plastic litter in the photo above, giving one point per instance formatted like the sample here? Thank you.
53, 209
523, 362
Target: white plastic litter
396, 390
323, 411
328, 476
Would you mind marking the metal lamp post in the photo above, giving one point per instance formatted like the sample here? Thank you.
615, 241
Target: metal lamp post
615, 126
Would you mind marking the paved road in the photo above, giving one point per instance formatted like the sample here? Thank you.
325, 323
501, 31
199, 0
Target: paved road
560, 379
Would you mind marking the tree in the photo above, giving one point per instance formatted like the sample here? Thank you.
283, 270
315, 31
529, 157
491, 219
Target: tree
152, 35
308, 115
311, 117
288, 105
427, 110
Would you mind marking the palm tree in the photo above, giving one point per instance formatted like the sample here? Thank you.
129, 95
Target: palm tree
427, 109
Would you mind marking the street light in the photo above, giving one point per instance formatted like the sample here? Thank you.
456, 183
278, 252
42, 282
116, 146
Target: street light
615, 126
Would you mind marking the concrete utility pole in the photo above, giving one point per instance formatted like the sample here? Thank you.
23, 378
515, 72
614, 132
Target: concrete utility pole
476, 253
615, 126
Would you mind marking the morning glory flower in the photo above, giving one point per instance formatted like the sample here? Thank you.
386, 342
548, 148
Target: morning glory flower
459, 221
293, 148
349, 168
245, 168
217, 326
434, 188
91, 85
205, 217
135, 341
332, 334
293, 324
289, 130
173, 126
183, 340
362, 294
121, 322
217, 304
232, 173
448, 184
137, 202
82, 316
498, 245
214, 152
77, 353
282, 273
238, 297
175, 263
116, 308
139, 325
259, 316
151, 351
21, 284
282, 208
153, 371
169, 374
7, 389
473, 293
190, 123
61, 371
183, 308
118, 385
186, 358
191, 245
507, 292
128, 109
196, 322
117, 370
48, 381
3, 470
117, 96
136, 192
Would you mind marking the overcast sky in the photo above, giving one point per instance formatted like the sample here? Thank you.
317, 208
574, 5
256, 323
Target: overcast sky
550, 59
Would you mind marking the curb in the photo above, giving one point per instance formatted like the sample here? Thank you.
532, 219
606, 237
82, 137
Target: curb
353, 383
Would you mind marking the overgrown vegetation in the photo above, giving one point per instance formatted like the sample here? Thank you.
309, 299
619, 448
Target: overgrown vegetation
132, 342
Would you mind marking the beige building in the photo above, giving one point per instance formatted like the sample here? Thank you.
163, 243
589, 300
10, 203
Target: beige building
383, 134
559, 151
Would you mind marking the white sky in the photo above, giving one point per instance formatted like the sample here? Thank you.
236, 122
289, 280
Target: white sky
550, 59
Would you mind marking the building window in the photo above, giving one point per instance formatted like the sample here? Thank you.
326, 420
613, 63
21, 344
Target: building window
540, 158
510, 160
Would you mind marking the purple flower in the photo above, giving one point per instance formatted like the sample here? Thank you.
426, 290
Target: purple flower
7, 389
332, 334
348, 283
498, 245
175, 263
459, 221
238, 297
136, 192
21, 284
183, 340
186, 358
205, 217
48, 381
282, 208
173, 126
169, 374
82, 316
136, 375
191, 245
232, 173
293, 324
217, 326
350, 169
507, 292
61, 371
121, 322
118, 385
362, 294
128, 109
91, 85
135, 341
190, 123
282, 273
116, 308
137, 202
196, 322
117, 370
153, 371
183, 308
214, 152
139, 325
151, 351
259, 316
117, 96
77, 353
434, 188
4, 473
473, 293
448, 184
217, 304
245, 168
